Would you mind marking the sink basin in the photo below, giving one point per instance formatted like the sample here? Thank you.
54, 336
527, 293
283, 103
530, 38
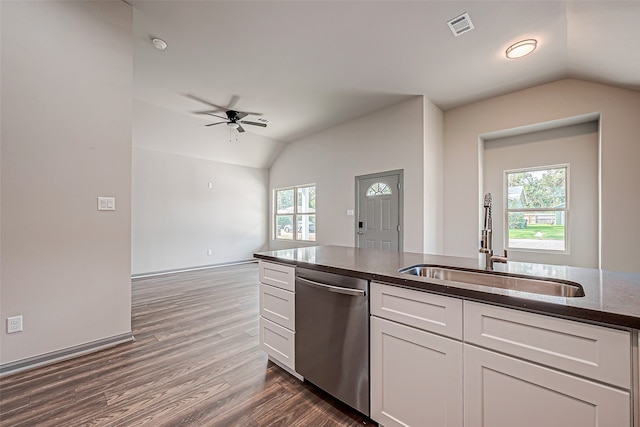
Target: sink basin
496, 279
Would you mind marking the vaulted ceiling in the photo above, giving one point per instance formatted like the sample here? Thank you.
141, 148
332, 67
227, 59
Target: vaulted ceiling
310, 65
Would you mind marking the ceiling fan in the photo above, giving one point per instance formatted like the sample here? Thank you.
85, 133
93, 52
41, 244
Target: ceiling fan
233, 117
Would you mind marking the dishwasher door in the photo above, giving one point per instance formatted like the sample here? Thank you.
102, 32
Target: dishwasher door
332, 335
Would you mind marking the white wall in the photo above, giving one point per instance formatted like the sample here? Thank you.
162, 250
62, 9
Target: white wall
385, 140
433, 178
576, 146
620, 151
177, 218
66, 139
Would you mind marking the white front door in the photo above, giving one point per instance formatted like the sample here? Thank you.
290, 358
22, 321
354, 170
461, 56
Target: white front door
378, 218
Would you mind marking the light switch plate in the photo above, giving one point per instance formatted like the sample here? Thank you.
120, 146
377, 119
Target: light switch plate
106, 203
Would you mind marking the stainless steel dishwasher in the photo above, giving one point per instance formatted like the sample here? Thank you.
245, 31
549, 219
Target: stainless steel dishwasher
332, 335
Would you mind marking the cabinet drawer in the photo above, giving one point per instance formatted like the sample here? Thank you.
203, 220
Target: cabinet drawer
278, 342
278, 306
280, 276
433, 313
592, 351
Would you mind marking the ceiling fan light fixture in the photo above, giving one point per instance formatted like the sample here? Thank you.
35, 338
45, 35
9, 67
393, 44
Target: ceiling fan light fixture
159, 43
521, 48
233, 125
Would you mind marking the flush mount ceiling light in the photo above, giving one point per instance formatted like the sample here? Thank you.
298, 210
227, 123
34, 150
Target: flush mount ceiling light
521, 48
159, 44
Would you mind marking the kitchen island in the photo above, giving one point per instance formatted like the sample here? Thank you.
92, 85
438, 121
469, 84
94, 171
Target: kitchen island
610, 297
447, 353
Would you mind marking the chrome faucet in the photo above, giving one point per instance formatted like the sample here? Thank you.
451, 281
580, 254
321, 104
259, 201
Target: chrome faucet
486, 238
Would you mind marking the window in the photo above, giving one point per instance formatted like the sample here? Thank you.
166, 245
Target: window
537, 208
295, 209
378, 189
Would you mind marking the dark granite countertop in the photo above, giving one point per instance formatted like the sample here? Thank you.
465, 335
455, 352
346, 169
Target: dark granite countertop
610, 297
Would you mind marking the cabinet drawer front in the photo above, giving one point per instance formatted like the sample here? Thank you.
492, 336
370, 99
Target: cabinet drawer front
278, 342
416, 377
433, 313
503, 391
278, 306
280, 276
592, 351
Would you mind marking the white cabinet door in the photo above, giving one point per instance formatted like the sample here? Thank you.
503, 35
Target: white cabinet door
416, 377
591, 351
278, 306
278, 343
434, 313
278, 275
500, 391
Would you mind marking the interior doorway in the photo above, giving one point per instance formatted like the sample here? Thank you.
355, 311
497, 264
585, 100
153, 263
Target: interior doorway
379, 216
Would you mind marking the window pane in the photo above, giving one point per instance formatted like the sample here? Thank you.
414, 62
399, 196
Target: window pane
284, 201
284, 227
537, 189
306, 199
306, 227
537, 230
378, 189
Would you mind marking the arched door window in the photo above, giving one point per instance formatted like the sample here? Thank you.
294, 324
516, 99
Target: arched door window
378, 189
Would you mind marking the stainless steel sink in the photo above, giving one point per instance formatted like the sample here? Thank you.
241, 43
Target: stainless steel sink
495, 279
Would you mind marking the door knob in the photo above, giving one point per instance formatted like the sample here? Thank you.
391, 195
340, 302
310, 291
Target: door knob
361, 232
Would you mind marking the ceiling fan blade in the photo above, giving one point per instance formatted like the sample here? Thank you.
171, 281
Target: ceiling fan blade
253, 113
213, 124
234, 101
219, 107
215, 115
241, 115
244, 122
240, 129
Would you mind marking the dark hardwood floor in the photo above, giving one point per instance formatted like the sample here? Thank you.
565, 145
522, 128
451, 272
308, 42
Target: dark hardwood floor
195, 362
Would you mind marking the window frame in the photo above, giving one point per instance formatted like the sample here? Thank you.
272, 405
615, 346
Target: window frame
296, 214
565, 210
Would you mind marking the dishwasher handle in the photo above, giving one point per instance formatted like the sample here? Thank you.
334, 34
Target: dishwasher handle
331, 288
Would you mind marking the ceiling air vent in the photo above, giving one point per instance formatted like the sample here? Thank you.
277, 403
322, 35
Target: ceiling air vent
263, 120
460, 24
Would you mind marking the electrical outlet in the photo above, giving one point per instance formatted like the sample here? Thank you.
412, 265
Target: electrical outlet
210, 252
14, 324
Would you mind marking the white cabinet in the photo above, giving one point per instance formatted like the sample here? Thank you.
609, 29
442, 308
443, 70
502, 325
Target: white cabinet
439, 361
502, 391
416, 376
278, 343
596, 352
278, 306
548, 372
277, 313
434, 313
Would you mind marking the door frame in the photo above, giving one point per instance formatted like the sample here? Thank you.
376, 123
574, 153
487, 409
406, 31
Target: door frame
400, 190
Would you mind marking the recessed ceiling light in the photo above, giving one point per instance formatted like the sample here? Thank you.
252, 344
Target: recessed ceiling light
159, 44
521, 48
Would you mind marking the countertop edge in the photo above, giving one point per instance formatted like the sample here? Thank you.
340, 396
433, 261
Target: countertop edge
601, 317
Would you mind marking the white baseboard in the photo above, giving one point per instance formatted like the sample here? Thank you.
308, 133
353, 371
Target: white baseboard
185, 270
64, 354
